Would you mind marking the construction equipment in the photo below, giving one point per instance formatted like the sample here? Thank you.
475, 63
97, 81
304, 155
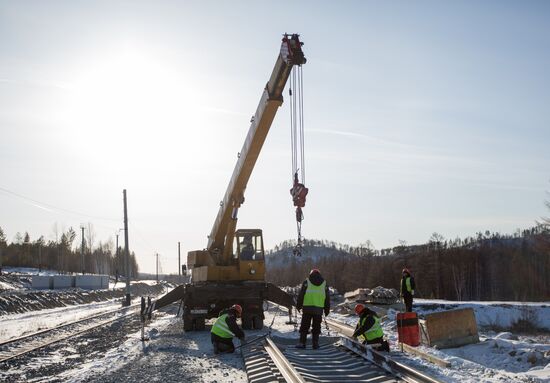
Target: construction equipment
231, 270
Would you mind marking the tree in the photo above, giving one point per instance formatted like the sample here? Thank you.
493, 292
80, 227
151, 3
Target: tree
2, 238
18, 239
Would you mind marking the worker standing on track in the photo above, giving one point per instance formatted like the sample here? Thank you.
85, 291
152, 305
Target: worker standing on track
313, 299
407, 289
225, 328
369, 330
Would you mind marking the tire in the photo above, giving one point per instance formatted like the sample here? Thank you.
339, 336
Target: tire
258, 323
187, 323
247, 322
199, 324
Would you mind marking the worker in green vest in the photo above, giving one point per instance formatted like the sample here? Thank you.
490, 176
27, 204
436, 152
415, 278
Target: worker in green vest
369, 330
407, 289
313, 300
225, 328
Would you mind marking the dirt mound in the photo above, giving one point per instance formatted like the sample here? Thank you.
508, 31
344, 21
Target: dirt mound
23, 301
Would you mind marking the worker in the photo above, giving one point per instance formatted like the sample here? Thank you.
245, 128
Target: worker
247, 249
225, 328
407, 289
369, 330
313, 299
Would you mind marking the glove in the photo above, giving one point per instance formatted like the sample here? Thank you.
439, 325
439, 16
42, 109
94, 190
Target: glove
327, 311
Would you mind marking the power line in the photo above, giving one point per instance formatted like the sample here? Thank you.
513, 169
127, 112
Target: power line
53, 209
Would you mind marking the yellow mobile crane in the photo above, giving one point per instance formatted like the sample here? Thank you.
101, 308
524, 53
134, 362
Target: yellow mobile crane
232, 267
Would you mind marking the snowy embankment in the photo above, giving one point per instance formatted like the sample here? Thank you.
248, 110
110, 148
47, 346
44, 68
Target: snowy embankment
17, 296
499, 357
495, 315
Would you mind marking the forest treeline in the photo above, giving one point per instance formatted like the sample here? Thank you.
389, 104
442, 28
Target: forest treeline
487, 266
64, 254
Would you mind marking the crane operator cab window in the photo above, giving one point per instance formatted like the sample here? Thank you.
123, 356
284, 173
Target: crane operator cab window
250, 247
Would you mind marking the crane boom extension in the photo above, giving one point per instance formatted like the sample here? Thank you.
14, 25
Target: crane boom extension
221, 236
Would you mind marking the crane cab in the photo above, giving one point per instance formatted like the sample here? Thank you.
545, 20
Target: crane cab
249, 245
249, 251
247, 262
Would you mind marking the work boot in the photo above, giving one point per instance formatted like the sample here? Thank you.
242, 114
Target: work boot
315, 341
302, 342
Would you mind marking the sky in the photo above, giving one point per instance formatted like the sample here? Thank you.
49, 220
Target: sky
420, 117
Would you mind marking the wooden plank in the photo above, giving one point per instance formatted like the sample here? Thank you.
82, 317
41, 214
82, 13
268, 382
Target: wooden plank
450, 328
424, 355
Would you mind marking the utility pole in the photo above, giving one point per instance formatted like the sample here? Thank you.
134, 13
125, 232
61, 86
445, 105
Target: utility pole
82, 249
179, 260
39, 257
157, 254
126, 250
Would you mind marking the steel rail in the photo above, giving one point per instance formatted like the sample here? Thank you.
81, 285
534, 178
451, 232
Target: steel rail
286, 369
398, 369
57, 339
13, 340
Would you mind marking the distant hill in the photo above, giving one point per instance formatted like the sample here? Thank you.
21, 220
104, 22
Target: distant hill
487, 266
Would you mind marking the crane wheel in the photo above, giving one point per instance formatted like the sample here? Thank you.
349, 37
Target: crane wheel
247, 322
199, 324
258, 323
187, 323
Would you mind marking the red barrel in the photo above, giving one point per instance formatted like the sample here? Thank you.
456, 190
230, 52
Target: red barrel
407, 329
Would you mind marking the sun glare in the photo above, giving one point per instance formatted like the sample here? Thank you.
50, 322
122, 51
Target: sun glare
132, 93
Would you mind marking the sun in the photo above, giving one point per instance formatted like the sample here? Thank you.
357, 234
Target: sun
128, 94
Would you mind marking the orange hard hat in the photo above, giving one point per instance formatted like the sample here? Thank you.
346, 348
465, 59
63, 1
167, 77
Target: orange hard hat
238, 309
359, 308
314, 271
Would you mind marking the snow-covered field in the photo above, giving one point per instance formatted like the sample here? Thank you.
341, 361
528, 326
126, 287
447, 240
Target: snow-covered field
16, 325
494, 314
499, 357
119, 355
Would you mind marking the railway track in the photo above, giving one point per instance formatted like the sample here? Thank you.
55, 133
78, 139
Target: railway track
339, 359
23, 345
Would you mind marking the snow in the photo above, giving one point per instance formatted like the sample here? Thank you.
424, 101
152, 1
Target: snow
16, 325
174, 355
494, 314
27, 271
6, 286
500, 356
169, 355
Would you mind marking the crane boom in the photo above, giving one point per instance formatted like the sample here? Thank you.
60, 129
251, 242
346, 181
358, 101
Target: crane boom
219, 277
223, 230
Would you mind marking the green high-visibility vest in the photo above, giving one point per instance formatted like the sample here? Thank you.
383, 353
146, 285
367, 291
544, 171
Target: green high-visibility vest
315, 295
372, 333
221, 328
407, 285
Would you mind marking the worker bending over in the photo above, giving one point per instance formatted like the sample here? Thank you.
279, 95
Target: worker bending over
313, 300
225, 328
369, 330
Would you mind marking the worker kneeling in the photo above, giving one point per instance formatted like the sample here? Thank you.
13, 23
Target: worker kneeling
225, 328
369, 330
